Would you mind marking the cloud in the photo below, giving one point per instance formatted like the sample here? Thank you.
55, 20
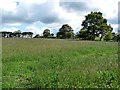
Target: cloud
11, 29
78, 7
109, 8
74, 6
50, 19
37, 15
39, 27
7, 5
36, 27
29, 13
18, 15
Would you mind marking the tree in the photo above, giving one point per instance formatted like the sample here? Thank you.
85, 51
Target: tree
8, 34
83, 34
52, 34
105, 30
46, 33
95, 25
108, 37
11, 34
24, 34
30, 34
65, 31
4, 34
116, 37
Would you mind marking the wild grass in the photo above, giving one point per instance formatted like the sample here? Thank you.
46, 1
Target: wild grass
46, 63
0, 63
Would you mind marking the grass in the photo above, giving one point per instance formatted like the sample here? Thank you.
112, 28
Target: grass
0, 63
46, 63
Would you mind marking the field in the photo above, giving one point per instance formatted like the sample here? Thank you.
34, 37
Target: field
47, 63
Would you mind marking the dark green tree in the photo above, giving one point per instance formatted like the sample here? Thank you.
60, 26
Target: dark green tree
11, 34
52, 34
95, 25
105, 30
46, 33
65, 31
108, 37
4, 34
30, 34
116, 37
25, 34
84, 35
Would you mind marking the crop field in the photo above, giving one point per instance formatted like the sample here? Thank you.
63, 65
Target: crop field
54, 63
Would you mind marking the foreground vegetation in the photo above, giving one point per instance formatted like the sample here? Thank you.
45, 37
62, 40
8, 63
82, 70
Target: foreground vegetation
46, 63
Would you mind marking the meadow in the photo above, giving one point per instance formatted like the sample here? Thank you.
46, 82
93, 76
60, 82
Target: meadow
54, 63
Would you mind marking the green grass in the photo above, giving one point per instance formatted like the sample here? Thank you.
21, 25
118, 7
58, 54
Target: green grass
46, 63
0, 63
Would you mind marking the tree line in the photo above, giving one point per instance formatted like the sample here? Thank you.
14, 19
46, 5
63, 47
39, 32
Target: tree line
94, 27
16, 34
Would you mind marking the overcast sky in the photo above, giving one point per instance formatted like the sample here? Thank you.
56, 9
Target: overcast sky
37, 15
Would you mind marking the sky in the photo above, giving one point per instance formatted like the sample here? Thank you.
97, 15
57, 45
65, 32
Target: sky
37, 15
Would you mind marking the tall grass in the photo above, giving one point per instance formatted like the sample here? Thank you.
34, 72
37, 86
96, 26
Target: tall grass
46, 63
0, 62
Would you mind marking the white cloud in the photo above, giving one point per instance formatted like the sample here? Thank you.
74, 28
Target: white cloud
34, 1
7, 5
11, 29
36, 27
108, 7
13, 24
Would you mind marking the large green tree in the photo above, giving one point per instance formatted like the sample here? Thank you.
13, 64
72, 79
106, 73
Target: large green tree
95, 25
46, 33
65, 31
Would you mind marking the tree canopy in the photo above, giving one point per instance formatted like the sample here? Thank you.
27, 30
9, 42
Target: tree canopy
16, 34
65, 31
94, 25
46, 33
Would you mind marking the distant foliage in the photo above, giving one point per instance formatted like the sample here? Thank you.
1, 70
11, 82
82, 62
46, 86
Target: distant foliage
65, 31
94, 25
108, 37
16, 34
46, 33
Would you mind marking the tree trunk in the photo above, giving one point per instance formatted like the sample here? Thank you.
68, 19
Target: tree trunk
101, 38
